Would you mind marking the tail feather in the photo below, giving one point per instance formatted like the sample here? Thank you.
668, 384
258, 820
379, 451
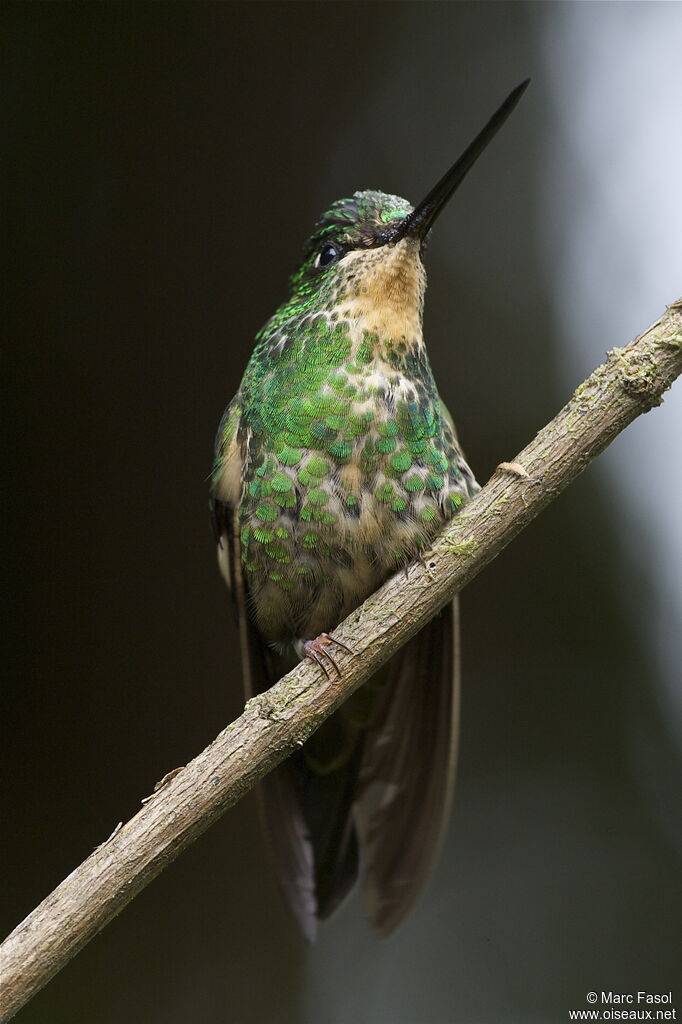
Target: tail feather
407, 776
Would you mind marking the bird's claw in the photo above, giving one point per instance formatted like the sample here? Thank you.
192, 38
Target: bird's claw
316, 650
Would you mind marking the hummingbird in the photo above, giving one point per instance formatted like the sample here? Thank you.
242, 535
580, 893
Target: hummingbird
336, 464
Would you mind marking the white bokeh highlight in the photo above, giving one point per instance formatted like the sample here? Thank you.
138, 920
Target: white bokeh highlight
614, 217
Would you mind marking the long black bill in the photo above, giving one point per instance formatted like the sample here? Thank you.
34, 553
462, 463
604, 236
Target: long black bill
418, 223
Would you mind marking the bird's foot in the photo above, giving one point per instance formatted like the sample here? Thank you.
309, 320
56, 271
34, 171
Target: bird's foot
316, 650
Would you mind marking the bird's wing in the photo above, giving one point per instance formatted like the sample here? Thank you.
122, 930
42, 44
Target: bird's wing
408, 770
279, 801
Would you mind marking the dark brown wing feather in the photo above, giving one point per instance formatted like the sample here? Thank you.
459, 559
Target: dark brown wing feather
309, 824
408, 771
290, 846
279, 806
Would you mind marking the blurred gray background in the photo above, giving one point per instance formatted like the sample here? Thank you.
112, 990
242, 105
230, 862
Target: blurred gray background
164, 164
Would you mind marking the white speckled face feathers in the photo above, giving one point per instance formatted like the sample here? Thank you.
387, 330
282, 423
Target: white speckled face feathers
384, 291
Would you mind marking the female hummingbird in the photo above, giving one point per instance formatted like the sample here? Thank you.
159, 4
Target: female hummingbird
336, 464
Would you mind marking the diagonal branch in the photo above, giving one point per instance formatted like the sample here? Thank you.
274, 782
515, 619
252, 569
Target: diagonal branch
630, 382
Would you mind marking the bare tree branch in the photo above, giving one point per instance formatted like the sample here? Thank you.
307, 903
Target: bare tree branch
631, 382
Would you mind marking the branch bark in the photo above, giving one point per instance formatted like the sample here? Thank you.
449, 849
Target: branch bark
630, 382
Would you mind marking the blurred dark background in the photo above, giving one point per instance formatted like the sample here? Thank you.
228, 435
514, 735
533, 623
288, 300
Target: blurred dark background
164, 164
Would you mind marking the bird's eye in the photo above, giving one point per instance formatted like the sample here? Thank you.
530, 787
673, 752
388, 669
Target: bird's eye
329, 254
